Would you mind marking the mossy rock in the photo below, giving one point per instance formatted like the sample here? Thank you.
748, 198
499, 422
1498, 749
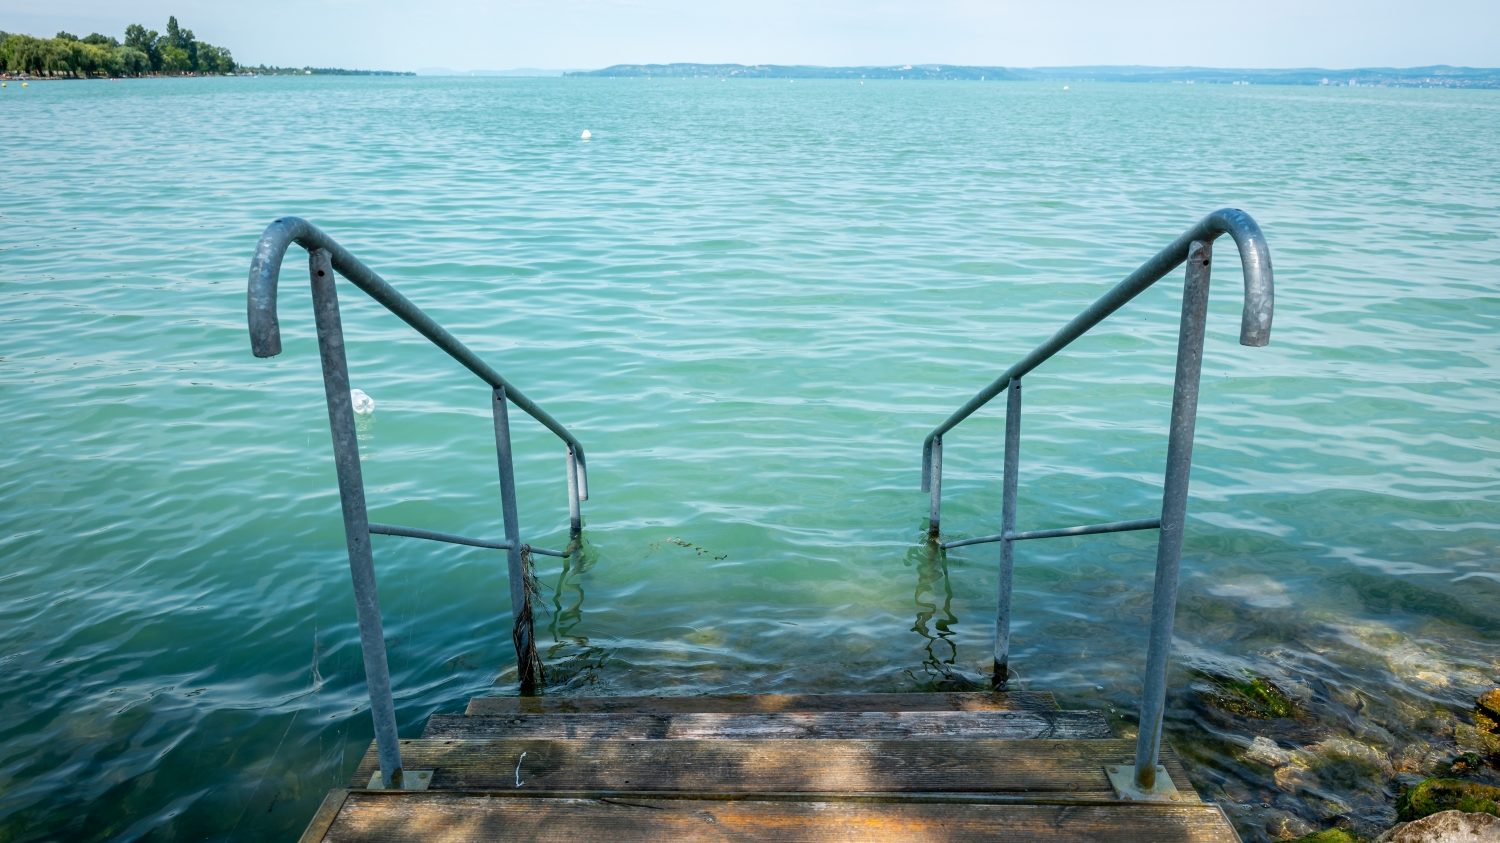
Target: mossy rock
1252, 696
1332, 835
1489, 703
1466, 763
1435, 795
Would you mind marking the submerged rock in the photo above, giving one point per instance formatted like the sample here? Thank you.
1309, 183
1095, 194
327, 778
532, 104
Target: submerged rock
1284, 825
1446, 827
1264, 751
1489, 704
1482, 737
1355, 759
1253, 696
1465, 764
1422, 760
1436, 795
1332, 835
1340, 776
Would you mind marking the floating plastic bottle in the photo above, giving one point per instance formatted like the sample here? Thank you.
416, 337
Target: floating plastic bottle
364, 405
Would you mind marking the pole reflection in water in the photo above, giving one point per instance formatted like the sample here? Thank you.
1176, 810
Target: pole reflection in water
571, 660
933, 598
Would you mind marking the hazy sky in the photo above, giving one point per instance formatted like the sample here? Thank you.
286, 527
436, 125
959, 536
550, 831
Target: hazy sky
473, 34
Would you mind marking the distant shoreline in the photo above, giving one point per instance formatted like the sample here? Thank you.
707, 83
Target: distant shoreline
140, 53
1433, 76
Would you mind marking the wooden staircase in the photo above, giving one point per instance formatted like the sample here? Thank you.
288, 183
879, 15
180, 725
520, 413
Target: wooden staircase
871, 767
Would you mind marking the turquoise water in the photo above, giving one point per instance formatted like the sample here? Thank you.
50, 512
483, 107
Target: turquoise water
750, 300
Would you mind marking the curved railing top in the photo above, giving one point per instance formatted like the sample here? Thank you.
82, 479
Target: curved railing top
1255, 321
265, 328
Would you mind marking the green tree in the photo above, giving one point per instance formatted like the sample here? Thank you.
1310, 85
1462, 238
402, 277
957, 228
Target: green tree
213, 59
143, 39
57, 57
207, 59
93, 59
26, 54
132, 62
174, 60
66, 36
100, 40
12, 52
184, 40
80, 60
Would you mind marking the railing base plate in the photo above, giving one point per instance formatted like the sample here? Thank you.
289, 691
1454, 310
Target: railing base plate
410, 780
1122, 776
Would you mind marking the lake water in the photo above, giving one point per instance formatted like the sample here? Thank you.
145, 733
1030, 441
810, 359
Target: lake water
750, 300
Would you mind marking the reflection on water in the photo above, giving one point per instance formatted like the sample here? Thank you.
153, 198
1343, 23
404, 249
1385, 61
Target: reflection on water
571, 662
933, 596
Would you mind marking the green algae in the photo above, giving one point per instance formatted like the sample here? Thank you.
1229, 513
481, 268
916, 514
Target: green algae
1332, 835
1435, 795
1253, 696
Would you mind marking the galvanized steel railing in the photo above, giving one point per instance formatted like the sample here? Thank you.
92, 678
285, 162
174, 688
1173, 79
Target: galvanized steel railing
1147, 779
325, 258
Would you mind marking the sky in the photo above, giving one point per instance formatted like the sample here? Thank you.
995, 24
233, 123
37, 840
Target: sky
502, 34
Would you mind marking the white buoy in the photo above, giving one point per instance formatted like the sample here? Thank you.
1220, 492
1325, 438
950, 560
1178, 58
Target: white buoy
364, 405
586, 134
1066, 88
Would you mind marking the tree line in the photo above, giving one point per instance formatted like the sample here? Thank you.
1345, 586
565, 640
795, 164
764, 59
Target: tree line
142, 52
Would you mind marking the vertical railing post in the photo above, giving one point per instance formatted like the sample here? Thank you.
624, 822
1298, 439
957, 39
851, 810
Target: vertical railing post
935, 480
1173, 513
1008, 526
356, 519
522, 633
575, 514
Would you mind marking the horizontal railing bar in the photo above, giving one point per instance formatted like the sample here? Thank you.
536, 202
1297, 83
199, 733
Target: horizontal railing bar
265, 329
966, 542
538, 551
433, 535
451, 538
1255, 322
1086, 530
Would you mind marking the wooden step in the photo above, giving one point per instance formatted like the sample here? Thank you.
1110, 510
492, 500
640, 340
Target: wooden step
873, 725
373, 817
734, 703
1060, 769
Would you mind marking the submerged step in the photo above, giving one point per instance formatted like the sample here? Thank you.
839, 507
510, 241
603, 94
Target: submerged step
873, 725
1060, 769
730, 703
449, 818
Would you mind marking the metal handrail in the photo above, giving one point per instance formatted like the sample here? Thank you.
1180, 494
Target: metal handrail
1145, 779
1255, 321
325, 258
265, 327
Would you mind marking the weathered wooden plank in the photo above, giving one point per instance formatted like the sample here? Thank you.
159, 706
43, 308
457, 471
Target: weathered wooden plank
1073, 769
871, 725
323, 820
732, 703
450, 818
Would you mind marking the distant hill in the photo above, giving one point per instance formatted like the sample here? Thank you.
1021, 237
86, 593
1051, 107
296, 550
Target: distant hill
802, 71
517, 71
1439, 76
